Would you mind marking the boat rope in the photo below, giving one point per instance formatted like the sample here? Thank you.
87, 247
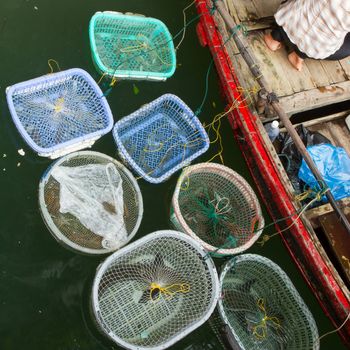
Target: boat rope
184, 31
231, 242
335, 330
318, 197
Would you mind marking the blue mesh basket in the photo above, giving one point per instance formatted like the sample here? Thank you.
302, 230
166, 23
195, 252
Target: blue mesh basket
131, 46
59, 113
160, 138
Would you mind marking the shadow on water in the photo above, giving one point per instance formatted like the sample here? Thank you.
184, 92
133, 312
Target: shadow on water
45, 289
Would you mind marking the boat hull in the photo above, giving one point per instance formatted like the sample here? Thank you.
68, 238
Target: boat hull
316, 270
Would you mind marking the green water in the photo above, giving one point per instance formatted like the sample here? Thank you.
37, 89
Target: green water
44, 289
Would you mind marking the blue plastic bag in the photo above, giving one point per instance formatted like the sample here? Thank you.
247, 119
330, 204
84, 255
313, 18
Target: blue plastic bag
334, 165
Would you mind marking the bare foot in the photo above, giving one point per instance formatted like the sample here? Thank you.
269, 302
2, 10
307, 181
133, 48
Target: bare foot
271, 43
295, 61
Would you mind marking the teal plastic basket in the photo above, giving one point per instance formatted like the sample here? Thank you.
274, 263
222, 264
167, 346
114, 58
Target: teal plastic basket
131, 46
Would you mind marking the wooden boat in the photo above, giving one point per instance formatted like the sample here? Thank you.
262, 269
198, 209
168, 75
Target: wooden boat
317, 242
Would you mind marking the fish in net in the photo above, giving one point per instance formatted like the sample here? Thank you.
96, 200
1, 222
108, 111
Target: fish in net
216, 206
131, 46
60, 112
261, 307
155, 291
90, 202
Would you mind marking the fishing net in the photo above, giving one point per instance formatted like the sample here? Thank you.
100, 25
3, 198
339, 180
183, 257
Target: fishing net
160, 138
262, 308
217, 207
152, 293
131, 46
90, 202
59, 113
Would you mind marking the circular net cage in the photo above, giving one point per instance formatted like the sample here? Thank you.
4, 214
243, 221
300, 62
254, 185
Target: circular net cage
217, 207
152, 293
131, 46
61, 112
90, 202
261, 307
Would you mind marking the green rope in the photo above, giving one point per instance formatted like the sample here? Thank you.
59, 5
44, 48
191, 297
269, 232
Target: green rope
233, 31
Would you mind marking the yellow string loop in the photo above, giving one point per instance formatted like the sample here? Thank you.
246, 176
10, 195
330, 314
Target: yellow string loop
260, 330
169, 291
50, 62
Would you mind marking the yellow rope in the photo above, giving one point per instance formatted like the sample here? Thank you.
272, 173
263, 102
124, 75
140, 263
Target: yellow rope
215, 125
102, 76
260, 330
50, 62
185, 25
318, 197
169, 291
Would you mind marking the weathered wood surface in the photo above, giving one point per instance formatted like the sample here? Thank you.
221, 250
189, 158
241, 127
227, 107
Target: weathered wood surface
336, 131
319, 97
337, 238
319, 83
252, 10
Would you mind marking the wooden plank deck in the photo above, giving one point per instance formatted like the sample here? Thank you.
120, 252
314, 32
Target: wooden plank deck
320, 83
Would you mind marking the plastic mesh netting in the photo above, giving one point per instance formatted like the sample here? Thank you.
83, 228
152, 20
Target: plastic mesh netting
90, 202
59, 111
217, 207
130, 46
262, 308
160, 138
155, 291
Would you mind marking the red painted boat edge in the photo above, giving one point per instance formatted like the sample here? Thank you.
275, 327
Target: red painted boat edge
317, 274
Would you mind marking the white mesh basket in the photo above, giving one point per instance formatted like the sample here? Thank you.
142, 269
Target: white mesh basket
155, 291
90, 202
262, 309
217, 207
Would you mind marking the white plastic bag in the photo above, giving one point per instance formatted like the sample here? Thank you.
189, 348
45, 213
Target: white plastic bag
94, 195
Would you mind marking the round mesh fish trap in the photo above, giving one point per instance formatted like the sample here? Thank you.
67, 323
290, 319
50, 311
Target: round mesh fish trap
160, 138
131, 46
59, 113
155, 291
90, 202
217, 207
262, 308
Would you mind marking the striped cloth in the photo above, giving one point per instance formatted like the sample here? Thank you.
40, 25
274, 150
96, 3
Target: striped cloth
316, 27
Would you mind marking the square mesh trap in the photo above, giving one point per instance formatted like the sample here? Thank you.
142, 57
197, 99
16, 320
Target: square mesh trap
261, 307
160, 138
217, 207
61, 112
90, 202
155, 291
131, 46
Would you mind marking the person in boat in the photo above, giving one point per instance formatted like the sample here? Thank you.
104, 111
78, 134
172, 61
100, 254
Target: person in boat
317, 29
